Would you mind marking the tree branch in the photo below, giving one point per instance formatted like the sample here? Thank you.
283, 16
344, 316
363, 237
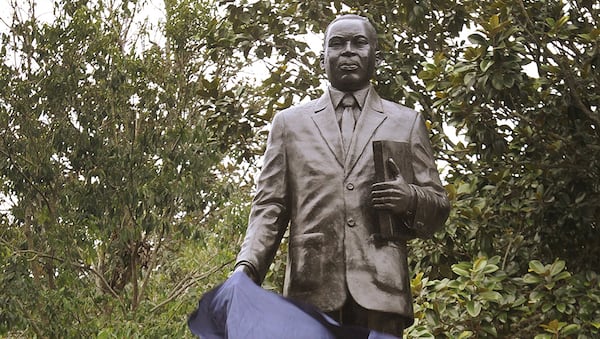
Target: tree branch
186, 283
77, 265
577, 98
151, 265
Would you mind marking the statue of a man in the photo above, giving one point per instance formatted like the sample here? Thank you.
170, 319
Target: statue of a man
318, 179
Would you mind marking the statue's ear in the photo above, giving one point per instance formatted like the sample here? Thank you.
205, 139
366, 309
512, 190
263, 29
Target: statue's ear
322, 59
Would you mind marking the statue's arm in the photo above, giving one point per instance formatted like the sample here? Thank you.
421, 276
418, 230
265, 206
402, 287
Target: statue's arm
431, 206
269, 214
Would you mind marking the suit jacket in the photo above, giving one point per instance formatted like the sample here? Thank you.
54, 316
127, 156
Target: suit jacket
324, 196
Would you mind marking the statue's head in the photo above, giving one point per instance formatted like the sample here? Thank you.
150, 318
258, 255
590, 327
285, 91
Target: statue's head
350, 52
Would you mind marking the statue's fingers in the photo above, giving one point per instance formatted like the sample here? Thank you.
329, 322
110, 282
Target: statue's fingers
384, 193
384, 185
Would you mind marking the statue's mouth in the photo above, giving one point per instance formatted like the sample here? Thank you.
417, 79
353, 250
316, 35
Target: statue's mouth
348, 67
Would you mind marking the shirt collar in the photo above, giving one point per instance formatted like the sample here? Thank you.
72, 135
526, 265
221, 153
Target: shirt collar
360, 96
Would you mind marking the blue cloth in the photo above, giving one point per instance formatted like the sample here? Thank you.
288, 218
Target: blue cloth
240, 309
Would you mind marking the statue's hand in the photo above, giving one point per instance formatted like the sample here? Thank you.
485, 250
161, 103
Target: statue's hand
394, 195
247, 270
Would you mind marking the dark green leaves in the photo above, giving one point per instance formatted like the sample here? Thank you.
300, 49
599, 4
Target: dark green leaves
478, 39
481, 298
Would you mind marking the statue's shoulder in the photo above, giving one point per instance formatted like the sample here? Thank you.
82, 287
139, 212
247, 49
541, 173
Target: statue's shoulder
299, 109
398, 110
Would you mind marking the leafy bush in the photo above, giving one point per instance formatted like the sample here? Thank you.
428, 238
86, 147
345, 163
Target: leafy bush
483, 301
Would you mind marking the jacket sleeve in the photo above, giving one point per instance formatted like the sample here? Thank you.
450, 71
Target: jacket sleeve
269, 215
432, 205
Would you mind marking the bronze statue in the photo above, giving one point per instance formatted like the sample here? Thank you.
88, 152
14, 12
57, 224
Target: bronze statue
318, 179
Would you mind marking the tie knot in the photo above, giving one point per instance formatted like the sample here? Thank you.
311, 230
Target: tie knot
348, 100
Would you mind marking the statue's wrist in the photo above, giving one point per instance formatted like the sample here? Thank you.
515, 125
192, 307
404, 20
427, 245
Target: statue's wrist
247, 269
412, 205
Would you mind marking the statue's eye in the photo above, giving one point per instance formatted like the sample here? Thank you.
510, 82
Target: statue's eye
334, 42
362, 41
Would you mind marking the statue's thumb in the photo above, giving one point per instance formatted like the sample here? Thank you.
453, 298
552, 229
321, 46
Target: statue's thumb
394, 170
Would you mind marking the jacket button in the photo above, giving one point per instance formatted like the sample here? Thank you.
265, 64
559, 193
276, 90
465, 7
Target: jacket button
350, 186
350, 222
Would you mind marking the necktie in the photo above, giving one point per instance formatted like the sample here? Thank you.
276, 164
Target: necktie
348, 122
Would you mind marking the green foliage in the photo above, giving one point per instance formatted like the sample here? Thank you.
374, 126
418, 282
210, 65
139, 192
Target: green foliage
527, 170
484, 301
121, 165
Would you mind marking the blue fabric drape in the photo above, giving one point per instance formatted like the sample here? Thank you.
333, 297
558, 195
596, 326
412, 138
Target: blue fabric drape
239, 309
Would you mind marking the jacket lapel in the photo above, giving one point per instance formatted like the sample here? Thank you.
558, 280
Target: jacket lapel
370, 118
326, 122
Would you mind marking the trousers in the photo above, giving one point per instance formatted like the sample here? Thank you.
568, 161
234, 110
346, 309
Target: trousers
351, 313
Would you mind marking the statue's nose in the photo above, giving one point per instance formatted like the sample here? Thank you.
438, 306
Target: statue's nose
348, 50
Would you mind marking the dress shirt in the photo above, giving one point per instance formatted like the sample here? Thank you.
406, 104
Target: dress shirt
336, 98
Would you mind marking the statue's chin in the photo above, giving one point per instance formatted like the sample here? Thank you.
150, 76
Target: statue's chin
350, 82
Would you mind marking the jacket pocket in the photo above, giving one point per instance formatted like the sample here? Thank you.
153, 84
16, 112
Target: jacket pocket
306, 261
391, 269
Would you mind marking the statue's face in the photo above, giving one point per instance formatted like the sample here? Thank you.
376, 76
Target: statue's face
349, 54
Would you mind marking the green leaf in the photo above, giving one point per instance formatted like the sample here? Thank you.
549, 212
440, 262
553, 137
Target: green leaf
469, 79
490, 329
478, 39
570, 329
491, 296
553, 326
479, 264
537, 267
494, 21
465, 334
536, 296
546, 307
509, 80
454, 284
531, 279
490, 268
461, 269
498, 81
557, 267
473, 308
562, 21
432, 317
426, 75
485, 64
562, 275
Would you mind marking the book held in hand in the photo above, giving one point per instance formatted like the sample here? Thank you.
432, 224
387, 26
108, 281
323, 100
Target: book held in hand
392, 227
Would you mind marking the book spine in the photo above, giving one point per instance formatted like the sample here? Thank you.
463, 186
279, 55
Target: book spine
385, 218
